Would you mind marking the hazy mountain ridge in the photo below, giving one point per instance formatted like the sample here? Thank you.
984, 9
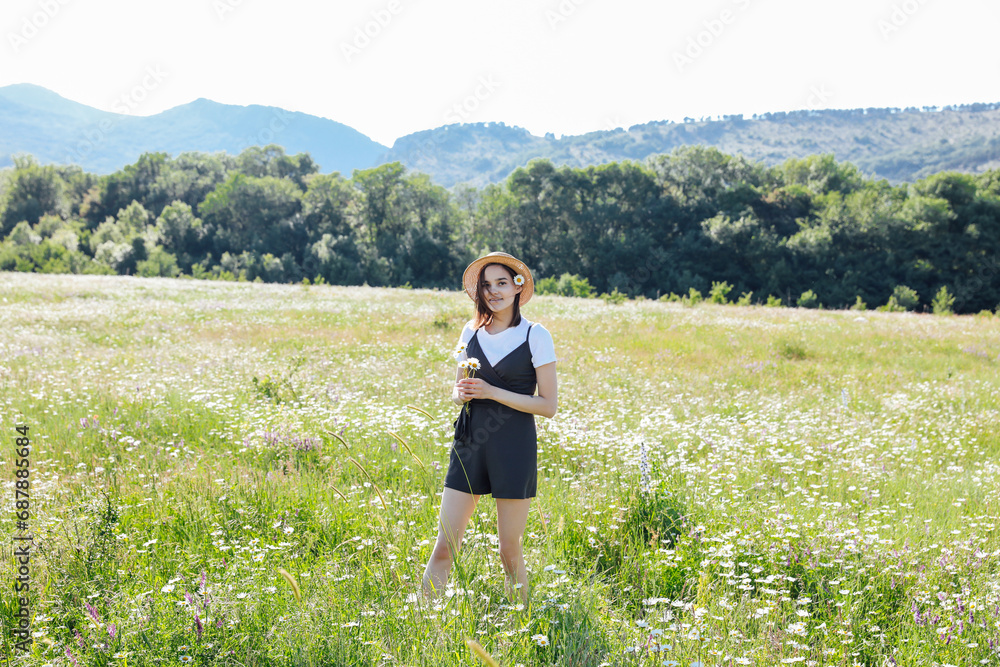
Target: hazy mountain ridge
54, 129
900, 145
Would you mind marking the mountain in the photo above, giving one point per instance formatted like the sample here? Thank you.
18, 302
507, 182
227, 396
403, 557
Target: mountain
899, 145
474, 153
54, 129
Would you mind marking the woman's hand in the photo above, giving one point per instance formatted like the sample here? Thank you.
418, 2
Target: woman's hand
470, 388
544, 404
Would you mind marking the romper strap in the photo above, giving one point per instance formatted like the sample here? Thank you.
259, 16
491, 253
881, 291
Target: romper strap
529, 331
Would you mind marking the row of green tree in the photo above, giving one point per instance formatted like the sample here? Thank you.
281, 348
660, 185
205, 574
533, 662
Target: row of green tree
674, 223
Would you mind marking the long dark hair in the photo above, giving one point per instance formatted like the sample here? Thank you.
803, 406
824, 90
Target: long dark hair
483, 313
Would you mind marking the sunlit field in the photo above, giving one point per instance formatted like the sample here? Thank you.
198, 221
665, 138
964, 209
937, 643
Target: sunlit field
722, 485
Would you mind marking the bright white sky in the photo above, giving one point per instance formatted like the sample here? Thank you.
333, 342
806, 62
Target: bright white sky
561, 66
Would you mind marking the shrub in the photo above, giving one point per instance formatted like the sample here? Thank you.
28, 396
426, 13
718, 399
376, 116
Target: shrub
773, 301
744, 299
546, 286
200, 270
794, 350
808, 300
859, 304
658, 515
567, 285
45, 257
615, 297
693, 298
891, 306
903, 298
719, 292
573, 285
22, 234
160, 263
943, 301
279, 390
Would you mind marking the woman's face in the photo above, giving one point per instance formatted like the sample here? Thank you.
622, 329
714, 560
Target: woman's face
498, 288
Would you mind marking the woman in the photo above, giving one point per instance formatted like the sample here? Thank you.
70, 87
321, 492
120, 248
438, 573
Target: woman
495, 448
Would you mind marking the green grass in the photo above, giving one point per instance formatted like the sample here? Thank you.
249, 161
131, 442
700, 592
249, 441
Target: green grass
823, 486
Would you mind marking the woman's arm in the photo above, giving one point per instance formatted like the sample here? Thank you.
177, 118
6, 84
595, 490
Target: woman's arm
544, 404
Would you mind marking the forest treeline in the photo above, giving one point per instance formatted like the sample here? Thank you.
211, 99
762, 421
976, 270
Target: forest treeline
809, 231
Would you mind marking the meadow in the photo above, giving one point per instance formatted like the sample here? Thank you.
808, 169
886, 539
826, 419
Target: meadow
249, 474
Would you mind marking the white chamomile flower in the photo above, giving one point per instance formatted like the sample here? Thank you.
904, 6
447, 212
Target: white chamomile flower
519, 279
463, 364
474, 364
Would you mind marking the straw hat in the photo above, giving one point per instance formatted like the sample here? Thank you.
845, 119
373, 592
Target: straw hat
471, 276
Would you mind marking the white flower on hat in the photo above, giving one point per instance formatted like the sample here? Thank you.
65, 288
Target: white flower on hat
519, 279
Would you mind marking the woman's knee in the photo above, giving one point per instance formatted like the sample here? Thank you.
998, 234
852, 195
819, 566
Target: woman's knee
444, 552
510, 551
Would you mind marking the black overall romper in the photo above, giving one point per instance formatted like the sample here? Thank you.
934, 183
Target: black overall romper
496, 447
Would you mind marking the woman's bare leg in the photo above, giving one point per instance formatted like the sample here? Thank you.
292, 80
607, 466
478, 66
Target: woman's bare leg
456, 510
512, 517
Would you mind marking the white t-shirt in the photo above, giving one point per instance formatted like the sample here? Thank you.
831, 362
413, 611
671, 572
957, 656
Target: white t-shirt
498, 346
